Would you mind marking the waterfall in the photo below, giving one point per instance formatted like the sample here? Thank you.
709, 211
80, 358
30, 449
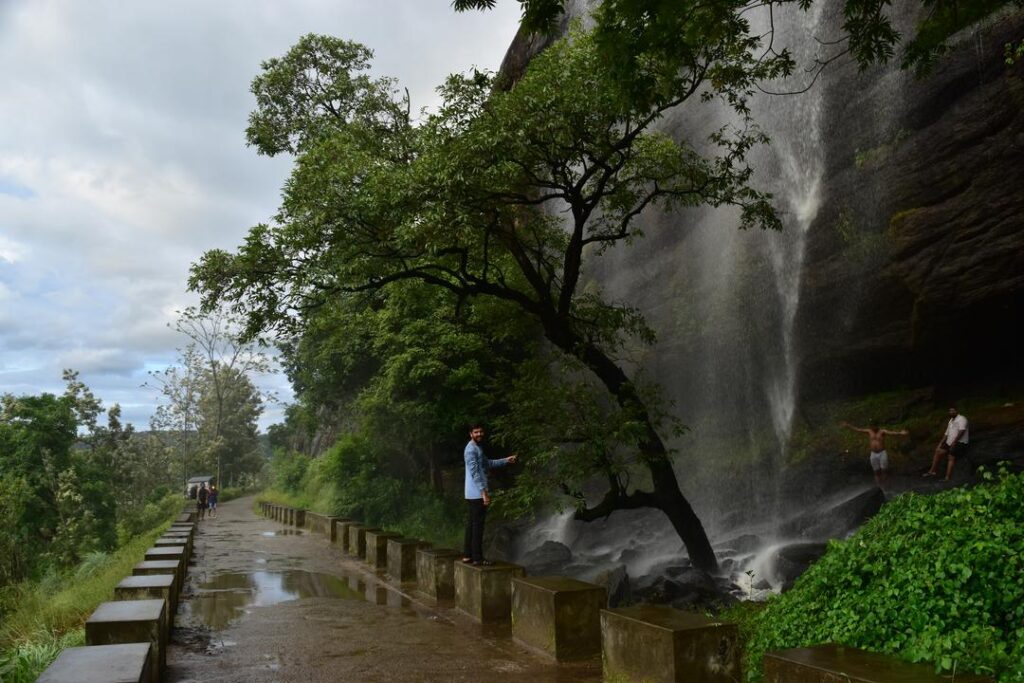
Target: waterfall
724, 304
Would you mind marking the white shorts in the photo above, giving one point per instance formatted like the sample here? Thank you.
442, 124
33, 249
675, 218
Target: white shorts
879, 460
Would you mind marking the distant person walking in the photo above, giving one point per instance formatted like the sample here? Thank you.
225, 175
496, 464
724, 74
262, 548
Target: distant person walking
211, 500
202, 500
953, 444
477, 496
879, 458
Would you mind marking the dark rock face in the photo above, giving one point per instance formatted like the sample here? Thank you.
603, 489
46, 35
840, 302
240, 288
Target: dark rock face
550, 558
616, 582
839, 519
914, 270
793, 560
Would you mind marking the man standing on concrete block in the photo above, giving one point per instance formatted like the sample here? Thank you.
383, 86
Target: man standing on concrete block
477, 497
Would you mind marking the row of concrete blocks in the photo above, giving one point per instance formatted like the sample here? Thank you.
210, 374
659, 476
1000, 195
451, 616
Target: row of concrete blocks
566, 619
126, 639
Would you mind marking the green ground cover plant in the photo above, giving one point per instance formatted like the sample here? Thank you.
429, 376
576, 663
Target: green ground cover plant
40, 618
930, 579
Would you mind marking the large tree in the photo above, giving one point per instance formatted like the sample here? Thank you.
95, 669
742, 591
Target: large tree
500, 194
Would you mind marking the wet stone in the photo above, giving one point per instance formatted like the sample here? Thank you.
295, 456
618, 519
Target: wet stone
661, 645
558, 615
377, 547
131, 621
485, 593
122, 663
827, 663
402, 558
435, 572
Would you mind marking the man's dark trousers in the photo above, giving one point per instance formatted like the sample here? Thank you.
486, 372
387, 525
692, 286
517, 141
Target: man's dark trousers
474, 546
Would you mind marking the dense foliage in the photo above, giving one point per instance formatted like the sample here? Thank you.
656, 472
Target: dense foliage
633, 31
353, 480
930, 578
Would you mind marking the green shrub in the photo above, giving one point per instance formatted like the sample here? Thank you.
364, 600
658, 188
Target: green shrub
930, 578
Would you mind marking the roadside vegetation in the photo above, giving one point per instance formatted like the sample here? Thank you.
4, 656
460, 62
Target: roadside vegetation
933, 578
41, 617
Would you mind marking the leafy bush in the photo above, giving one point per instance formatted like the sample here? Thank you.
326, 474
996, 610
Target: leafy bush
134, 522
930, 578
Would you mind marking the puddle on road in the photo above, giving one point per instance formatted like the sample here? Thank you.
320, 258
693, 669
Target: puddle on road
282, 532
225, 597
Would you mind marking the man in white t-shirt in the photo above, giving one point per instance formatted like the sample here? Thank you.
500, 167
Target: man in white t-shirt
953, 444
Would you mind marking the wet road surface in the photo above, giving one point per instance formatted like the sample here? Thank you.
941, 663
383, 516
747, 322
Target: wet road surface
265, 602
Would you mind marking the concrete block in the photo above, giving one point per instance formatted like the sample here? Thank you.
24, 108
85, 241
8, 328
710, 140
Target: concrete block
131, 621
340, 535
174, 542
317, 523
377, 547
167, 552
833, 663
559, 616
435, 572
153, 586
122, 663
176, 568
186, 517
402, 558
298, 517
485, 593
334, 529
661, 645
357, 540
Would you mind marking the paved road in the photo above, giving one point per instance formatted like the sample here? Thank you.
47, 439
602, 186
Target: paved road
267, 603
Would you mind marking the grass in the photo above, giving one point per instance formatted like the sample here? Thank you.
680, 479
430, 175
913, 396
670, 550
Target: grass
49, 614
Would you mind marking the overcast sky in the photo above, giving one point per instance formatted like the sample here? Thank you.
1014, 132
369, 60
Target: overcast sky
123, 158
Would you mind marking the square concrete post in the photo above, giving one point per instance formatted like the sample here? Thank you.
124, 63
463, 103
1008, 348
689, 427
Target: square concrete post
664, 645
154, 586
122, 663
377, 547
332, 527
164, 542
173, 552
402, 558
558, 616
340, 536
298, 517
175, 568
435, 572
357, 540
827, 663
485, 592
131, 621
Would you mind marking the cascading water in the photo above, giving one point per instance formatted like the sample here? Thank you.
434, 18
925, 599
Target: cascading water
724, 303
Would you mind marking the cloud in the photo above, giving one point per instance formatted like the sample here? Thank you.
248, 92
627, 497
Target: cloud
123, 158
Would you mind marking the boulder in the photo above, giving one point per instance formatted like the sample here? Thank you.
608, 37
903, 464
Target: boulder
793, 560
549, 558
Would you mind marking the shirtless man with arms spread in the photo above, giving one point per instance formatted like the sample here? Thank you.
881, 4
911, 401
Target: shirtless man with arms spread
876, 442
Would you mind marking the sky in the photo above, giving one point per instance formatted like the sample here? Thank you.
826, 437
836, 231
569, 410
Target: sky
123, 159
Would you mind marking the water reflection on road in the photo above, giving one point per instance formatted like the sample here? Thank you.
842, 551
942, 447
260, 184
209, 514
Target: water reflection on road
223, 598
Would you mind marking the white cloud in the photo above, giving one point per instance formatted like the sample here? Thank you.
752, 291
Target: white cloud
122, 159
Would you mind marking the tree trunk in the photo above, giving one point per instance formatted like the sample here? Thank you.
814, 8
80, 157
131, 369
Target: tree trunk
436, 480
667, 495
